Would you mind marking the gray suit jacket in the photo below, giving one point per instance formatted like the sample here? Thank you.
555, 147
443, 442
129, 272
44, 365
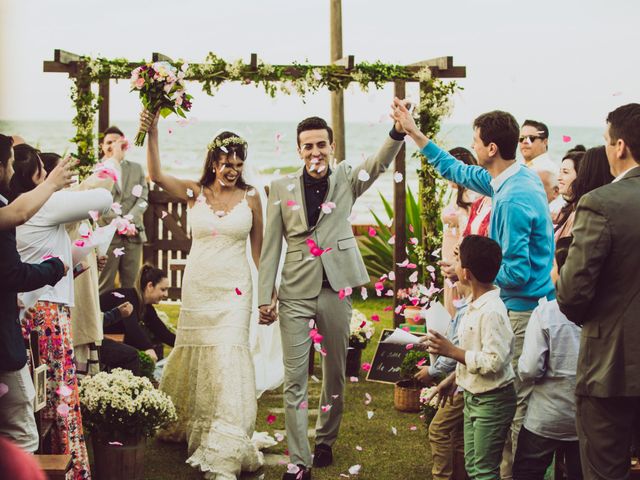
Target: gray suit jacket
302, 272
599, 288
132, 175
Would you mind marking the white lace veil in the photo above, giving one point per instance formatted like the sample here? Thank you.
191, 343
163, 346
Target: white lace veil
265, 341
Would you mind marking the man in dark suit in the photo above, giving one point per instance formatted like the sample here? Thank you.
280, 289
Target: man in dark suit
16, 387
599, 288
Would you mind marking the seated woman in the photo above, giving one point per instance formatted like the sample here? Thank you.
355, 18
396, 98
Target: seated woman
143, 329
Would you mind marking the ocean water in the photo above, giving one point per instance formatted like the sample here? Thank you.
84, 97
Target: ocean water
272, 146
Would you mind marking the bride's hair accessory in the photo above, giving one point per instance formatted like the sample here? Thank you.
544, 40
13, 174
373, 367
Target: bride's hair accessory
222, 143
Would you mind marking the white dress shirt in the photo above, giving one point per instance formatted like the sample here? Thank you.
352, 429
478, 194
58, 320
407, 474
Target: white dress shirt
486, 335
543, 163
44, 234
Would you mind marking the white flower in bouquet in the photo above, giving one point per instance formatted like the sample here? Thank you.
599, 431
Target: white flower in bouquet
361, 330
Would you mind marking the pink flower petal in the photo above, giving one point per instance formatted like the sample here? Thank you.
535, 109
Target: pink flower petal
566, 138
117, 294
164, 214
375, 318
271, 418
118, 252
117, 444
238, 292
366, 366
409, 346
136, 191
372, 232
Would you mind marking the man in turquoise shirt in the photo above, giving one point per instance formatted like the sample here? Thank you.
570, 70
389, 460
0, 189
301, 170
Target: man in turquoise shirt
520, 223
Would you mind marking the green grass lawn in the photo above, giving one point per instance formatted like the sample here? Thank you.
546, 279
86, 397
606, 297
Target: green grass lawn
384, 455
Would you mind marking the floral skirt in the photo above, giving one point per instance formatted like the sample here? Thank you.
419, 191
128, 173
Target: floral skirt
53, 324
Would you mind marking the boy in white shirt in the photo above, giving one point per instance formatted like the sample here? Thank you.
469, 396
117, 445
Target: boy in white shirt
484, 371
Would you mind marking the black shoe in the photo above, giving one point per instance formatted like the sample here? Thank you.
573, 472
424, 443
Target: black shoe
303, 473
322, 456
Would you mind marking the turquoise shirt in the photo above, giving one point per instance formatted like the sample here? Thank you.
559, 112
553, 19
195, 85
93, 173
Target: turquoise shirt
520, 223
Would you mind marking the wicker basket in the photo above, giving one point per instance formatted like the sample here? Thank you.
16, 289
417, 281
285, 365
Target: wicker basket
406, 396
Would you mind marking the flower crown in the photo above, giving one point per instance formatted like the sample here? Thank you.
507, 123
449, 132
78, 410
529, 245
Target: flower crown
223, 143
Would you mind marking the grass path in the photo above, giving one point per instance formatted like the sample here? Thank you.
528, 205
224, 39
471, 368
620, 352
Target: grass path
383, 454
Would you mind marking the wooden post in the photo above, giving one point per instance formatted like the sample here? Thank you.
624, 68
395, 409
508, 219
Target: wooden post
399, 217
337, 98
103, 114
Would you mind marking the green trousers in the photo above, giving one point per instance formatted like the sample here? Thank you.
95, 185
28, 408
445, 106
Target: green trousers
487, 419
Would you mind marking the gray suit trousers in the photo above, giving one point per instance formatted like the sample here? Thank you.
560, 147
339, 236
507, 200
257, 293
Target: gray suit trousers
332, 317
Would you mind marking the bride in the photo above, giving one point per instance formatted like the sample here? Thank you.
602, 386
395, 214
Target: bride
210, 374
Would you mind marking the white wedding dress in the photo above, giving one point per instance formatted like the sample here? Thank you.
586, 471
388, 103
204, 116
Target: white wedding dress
210, 372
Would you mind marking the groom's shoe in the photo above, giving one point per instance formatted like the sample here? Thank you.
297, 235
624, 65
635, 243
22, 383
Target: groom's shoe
303, 473
322, 456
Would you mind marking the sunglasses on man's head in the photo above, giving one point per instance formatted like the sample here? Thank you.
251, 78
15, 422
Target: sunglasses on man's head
529, 138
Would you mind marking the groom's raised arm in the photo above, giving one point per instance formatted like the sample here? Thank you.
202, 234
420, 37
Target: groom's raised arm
271, 248
374, 165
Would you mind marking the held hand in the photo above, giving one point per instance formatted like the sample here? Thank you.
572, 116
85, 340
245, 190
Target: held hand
423, 376
448, 270
268, 313
149, 121
447, 390
101, 262
402, 116
438, 344
152, 353
125, 309
62, 176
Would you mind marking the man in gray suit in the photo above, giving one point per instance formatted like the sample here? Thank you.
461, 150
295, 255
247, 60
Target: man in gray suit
131, 192
599, 288
310, 210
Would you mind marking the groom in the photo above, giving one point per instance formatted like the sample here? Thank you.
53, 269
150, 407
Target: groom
310, 210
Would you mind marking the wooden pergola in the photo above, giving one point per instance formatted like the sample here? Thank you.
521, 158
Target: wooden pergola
441, 67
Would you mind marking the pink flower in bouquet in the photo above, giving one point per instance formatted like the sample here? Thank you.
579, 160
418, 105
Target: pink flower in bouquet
139, 83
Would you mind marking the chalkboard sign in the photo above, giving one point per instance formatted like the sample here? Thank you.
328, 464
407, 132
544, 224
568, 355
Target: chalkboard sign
385, 366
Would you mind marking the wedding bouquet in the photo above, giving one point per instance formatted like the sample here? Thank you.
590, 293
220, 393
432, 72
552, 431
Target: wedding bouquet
429, 408
361, 330
161, 88
119, 404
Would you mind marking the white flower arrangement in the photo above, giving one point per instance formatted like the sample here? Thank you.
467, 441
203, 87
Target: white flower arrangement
361, 330
120, 404
429, 408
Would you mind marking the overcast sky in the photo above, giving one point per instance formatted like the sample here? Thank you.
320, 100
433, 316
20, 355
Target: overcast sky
565, 62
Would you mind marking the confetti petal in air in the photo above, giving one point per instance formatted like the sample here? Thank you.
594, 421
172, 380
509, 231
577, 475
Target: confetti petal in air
303, 405
271, 418
413, 278
117, 294
375, 318
325, 408
315, 379
366, 366
409, 346
238, 291
116, 444
397, 177
566, 138
136, 191
117, 208
251, 193
372, 232
278, 436
363, 175
79, 243
392, 240
118, 252
327, 207
292, 468
411, 228
413, 241
164, 214
189, 193
363, 293
421, 362
291, 186
64, 391
63, 409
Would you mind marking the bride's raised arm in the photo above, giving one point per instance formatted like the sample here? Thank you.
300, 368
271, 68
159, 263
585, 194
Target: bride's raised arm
182, 189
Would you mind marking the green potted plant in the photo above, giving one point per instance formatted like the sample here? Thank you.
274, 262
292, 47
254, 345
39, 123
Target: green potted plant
121, 411
147, 367
361, 331
406, 395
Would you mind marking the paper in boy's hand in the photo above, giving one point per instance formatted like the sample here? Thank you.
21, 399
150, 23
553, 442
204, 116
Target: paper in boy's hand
401, 337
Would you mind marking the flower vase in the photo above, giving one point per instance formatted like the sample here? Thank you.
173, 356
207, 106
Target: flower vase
354, 359
116, 458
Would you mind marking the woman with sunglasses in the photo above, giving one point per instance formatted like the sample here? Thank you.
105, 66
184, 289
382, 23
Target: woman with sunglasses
44, 236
